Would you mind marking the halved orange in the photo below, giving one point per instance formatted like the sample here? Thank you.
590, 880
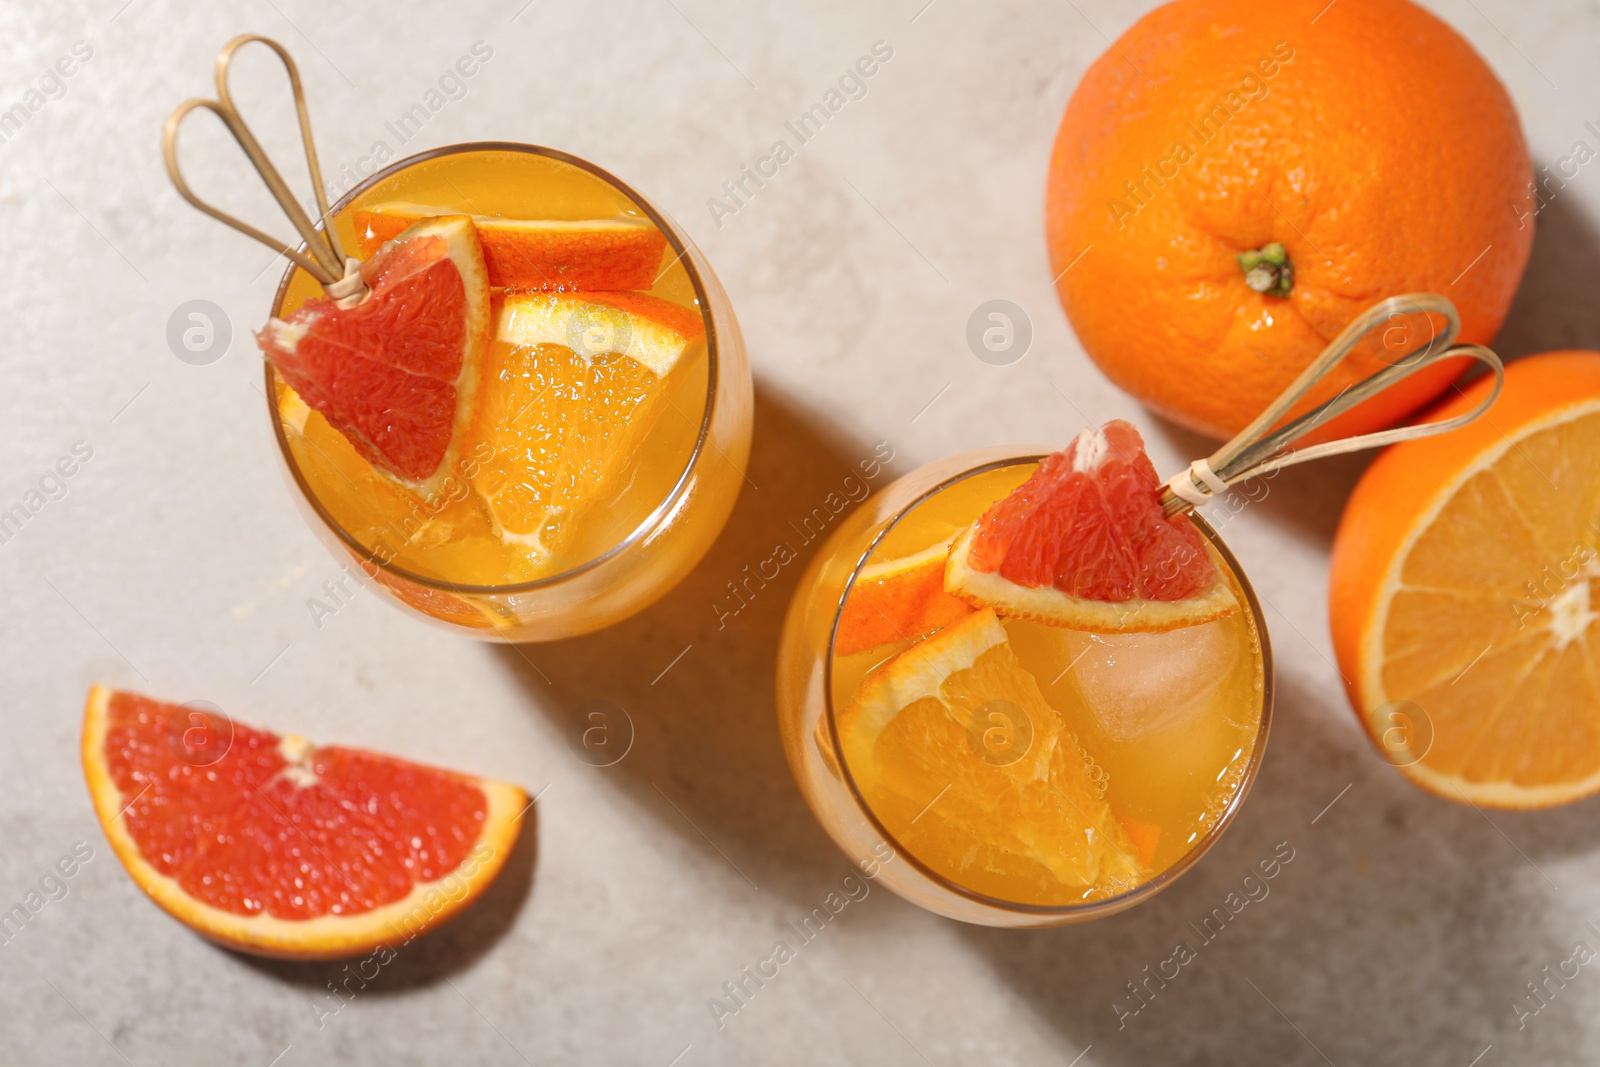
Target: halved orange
897, 600
956, 750
398, 373
1084, 544
274, 847
576, 382
1463, 593
554, 254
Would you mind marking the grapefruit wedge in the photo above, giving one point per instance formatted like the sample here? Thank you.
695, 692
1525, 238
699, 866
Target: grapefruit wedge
1084, 544
274, 847
398, 373
616, 253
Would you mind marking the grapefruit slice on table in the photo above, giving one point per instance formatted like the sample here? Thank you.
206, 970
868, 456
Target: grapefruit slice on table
578, 381
1083, 544
615, 253
897, 600
1463, 593
273, 847
398, 373
1025, 806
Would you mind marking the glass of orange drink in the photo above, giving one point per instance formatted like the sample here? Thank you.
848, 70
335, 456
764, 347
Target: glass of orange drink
1012, 673
575, 456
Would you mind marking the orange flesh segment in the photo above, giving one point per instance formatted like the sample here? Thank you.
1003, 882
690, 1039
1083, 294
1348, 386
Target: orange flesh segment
337, 831
561, 428
984, 823
1145, 836
546, 254
1491, 629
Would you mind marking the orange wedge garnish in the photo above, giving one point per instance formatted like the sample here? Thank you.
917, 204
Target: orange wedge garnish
550, 254
914, 740
897, 600
1463, 593
273, 847
579, 380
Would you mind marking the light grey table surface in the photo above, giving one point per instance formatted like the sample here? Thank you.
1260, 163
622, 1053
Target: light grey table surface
176, 564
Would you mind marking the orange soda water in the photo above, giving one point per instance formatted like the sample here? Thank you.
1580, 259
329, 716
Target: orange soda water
593, 441
1088, 765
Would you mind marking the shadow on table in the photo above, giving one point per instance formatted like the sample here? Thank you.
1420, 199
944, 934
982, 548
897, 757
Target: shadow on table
1555, 306
1400, 932
1305, 501
694, 672
432, 957
1406, 927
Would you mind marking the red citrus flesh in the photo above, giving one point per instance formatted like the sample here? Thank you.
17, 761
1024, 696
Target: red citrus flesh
1089, 523
393, 372
336, 831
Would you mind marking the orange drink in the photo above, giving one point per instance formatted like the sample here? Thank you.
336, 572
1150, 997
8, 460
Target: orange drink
1030, 773
562, 473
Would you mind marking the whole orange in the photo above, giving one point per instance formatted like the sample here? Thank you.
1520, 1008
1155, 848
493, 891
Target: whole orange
1365, 137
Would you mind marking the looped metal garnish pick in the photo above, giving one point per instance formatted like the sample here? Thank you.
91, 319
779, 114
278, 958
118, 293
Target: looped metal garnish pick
1260, 449
327, 263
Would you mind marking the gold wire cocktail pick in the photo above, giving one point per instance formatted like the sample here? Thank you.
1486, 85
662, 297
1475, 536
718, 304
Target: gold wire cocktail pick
1258, 449
338, 273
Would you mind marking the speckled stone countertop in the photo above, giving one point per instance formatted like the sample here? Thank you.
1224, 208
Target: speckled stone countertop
173, 561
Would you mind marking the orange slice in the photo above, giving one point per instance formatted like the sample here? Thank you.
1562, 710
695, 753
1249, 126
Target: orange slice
1463, 593
897, 600
397, 374
1083, 544
956, 750
552, 254
575, 382
273, 847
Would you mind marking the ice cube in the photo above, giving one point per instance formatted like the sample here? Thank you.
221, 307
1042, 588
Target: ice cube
1138, 684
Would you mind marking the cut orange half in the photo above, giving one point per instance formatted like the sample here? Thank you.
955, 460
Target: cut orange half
957, 751
553, 254
1084, 544
273, 847
577, 381
897, 600
1463, 593
397, 374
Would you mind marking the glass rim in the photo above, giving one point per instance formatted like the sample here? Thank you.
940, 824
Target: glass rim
680, 487
1090, 909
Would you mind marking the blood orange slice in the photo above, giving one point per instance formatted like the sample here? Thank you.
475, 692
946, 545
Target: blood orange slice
1084, 544
277, 848
619, 253
398, 373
